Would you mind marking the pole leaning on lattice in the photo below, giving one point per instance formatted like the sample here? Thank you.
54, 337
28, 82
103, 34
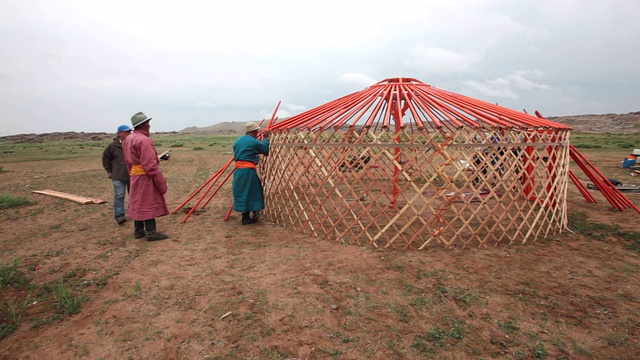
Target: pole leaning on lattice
217, 176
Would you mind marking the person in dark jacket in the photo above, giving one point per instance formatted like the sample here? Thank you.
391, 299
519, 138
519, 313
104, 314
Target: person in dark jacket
113, 162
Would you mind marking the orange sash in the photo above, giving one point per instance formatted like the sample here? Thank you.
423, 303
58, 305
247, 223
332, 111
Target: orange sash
137, 170
245, 165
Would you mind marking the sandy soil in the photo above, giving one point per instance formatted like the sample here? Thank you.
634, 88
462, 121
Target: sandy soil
218, 290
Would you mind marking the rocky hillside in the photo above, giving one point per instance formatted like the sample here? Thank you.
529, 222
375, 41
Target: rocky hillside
590, 123
604, 123
70, 135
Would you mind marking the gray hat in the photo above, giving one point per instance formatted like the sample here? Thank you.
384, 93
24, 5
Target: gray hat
251, 127
139, 119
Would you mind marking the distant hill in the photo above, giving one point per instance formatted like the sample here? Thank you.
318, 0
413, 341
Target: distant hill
223, 128
589, 123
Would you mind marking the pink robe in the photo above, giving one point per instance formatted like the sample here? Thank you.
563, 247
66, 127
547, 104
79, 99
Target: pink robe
146, 198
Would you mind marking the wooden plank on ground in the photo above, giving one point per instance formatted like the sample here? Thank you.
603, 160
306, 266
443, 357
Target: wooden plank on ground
76, 198
163, 154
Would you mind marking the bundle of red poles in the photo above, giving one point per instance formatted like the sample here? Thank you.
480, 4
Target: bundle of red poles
610, 191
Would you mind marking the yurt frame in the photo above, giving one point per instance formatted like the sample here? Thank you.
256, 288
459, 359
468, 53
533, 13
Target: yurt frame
403, 164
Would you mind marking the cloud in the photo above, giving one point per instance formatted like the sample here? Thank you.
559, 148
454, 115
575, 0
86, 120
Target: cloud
509, 85
491, 89
440, 60
519, 80
280, 114
295, 108
193, 63
206, 104
358, 79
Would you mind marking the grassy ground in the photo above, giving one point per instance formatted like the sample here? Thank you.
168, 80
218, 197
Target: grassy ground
75, 285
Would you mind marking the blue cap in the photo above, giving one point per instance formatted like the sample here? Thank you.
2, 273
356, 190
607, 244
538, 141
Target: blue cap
122, 128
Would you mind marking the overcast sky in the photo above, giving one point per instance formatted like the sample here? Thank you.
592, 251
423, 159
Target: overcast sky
81, 65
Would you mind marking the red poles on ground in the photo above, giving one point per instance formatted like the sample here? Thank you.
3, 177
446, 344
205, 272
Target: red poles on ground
583, 190
212, 181
610, 192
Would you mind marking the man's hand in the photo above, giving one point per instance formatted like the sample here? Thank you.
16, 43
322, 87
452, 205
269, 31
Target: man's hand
265, 134
109, 175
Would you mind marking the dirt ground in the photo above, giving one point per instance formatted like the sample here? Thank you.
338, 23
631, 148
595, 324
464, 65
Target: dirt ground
218, 290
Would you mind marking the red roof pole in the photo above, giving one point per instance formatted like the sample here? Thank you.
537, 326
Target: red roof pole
273, 116
583, 190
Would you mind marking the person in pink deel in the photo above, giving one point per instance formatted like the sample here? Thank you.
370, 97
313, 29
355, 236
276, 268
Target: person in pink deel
147, 183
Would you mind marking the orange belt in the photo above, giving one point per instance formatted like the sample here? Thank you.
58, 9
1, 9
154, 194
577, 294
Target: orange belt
137, 170
245, 165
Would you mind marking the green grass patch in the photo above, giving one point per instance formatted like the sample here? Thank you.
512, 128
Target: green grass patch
616, 339
51, 151
11, 275
65, 301
508, 326
604, 141
11, 311
10, 201
64, 296
135, 291
67, 149
580, 223
11, 315
439, 335
587, 146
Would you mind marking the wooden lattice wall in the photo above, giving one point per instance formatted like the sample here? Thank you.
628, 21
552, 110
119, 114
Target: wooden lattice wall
414, 189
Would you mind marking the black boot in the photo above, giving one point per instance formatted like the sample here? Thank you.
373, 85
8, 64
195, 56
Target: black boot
152, 234
156, 236
256, 216
246, 219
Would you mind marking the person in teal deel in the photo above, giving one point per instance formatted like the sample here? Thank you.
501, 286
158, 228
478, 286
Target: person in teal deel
248, 194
